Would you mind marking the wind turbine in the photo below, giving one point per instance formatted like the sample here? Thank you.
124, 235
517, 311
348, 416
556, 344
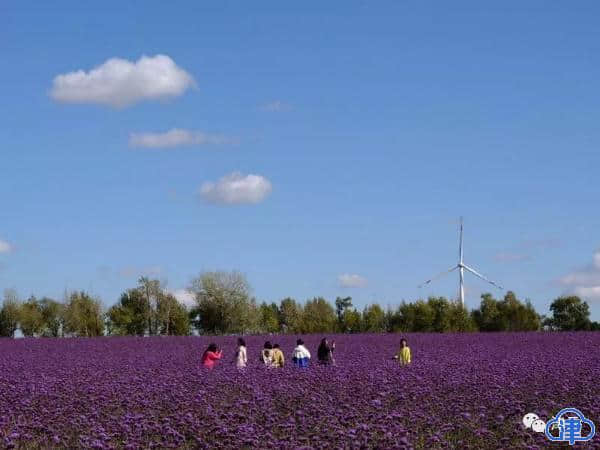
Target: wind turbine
461, 266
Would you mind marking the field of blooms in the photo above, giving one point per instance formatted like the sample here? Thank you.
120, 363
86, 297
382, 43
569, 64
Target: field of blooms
462, 391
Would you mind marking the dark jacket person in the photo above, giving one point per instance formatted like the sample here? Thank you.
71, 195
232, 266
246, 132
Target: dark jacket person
325, 352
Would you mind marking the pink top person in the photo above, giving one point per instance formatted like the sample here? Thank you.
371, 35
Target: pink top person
211, 356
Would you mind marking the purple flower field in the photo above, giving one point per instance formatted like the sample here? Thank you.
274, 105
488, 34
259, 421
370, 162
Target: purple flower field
462, 391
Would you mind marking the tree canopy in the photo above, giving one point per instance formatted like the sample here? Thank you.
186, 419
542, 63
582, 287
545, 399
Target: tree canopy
224, 305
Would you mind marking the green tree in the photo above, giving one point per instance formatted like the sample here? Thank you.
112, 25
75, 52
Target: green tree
223, 303
130, 315
517, 316
318, 316
405, 317
83, 316
440, 308
459, 318
9, 313
508, 314
341, 305
30, 317
488, 317
52, 316
569, 314
173, 317
351, 321
290, 316
118, 320
373, 319
424, 317
151, 290
269, 318
393, 320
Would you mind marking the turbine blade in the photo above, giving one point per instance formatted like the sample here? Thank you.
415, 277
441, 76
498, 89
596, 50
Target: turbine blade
439, 275
460, 245
477, 274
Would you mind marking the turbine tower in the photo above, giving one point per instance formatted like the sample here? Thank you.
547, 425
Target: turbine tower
461, 266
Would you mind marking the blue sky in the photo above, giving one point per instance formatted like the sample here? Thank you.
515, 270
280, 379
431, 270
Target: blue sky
312, 145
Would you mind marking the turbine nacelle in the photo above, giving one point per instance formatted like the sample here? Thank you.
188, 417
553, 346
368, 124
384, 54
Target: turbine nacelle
462, 267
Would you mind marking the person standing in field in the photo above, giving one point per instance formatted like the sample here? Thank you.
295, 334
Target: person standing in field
278, 358
241, 357
301, 355
266, 355
325, 352
210, 356
403, 356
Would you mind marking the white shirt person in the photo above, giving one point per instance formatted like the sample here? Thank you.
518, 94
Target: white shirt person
241, 357
301, 355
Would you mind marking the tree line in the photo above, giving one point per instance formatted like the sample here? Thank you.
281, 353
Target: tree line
224, 305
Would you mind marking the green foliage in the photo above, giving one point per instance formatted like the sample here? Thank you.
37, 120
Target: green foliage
440, 308
269, 318
318, 316
518, 316
52, 317
351, 321
422, 316
9, 314
151, 291
373, 319
30, 318
290, 316
487, 317
509, 314
569, 314
341, 305
405, 317
118, 320
147, 309
83, 316
459, 318
224, 306
437, 314
223, 303
172, 316
130, 315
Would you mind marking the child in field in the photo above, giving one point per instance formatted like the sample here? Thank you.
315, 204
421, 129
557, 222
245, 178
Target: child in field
403, 356
266, 356
301, 355
211, 355
278, 359
241, 358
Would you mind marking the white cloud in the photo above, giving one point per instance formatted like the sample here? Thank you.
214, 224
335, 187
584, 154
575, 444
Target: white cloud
347, 280
184, 297
119, 82
585, 282
236, 189
597, 260
177, 138
5, 247
591, 293
275, 106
